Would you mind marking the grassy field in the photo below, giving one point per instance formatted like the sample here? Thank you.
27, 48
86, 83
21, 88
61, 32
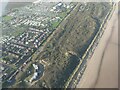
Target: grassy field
7, 18
74, 35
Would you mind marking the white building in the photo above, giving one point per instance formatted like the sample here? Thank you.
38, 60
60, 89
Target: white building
35, 66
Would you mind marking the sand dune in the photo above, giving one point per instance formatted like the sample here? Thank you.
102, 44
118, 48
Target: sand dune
102, 68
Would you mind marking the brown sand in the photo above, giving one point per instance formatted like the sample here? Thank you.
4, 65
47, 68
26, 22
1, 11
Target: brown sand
102, 68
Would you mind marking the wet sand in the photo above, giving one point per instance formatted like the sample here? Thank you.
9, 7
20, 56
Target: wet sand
102, 68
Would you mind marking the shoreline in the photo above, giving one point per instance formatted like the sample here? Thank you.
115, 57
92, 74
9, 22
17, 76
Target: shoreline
95, 65
92, 46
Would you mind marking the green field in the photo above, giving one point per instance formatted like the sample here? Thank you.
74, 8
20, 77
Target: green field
7, 18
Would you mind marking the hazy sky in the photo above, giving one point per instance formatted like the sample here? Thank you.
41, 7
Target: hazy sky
3, 3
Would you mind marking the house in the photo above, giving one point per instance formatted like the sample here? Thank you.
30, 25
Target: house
33, 77
35, 66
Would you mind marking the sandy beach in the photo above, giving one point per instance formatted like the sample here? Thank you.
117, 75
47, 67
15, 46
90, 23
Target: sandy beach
102, 68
